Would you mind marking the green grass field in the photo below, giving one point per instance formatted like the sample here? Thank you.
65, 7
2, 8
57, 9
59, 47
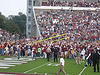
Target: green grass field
40, 66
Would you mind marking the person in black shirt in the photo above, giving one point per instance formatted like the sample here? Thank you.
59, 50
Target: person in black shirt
55, 54
96, 60
52, 50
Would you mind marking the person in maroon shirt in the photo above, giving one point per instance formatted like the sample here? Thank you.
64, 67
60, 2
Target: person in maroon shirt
22, 51
34, 54
44, 52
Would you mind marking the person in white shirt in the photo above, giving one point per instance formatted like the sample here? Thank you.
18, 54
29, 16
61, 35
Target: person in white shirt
62, 64
83, 54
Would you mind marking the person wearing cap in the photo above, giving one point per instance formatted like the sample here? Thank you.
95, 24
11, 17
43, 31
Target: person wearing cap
62, 64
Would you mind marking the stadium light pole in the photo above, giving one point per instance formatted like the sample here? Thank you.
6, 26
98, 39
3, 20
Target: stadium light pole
32, 27
29, 19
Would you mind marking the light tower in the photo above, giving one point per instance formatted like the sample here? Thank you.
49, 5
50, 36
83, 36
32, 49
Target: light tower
32, 28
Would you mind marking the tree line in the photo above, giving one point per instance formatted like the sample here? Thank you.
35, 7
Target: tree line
14, 24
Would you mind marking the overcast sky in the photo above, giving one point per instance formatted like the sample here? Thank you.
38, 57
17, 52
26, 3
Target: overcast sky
12, 7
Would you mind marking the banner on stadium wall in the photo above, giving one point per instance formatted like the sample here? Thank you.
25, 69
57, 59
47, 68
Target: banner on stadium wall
64, 8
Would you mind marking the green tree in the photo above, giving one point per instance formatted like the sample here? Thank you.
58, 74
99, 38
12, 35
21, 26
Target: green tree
2, 21
12, 27
20, 20
9, 25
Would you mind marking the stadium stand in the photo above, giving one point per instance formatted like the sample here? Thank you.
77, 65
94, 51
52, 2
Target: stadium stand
83, 28
77, 23
71, 3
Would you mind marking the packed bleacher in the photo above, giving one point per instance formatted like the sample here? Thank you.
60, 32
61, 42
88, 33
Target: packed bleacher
4, 35
82, 25
71, 3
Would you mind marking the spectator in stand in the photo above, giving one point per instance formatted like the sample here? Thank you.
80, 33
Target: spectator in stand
72, 25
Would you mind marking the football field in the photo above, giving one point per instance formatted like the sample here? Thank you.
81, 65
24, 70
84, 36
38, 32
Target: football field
42, 66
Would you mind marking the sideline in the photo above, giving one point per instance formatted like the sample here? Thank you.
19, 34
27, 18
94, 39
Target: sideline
35, 68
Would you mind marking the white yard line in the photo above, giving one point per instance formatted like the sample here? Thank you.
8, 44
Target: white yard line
34, 68
82, 71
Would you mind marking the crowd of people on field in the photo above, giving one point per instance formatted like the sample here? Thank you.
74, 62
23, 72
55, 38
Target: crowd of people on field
79, 51
71, 3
